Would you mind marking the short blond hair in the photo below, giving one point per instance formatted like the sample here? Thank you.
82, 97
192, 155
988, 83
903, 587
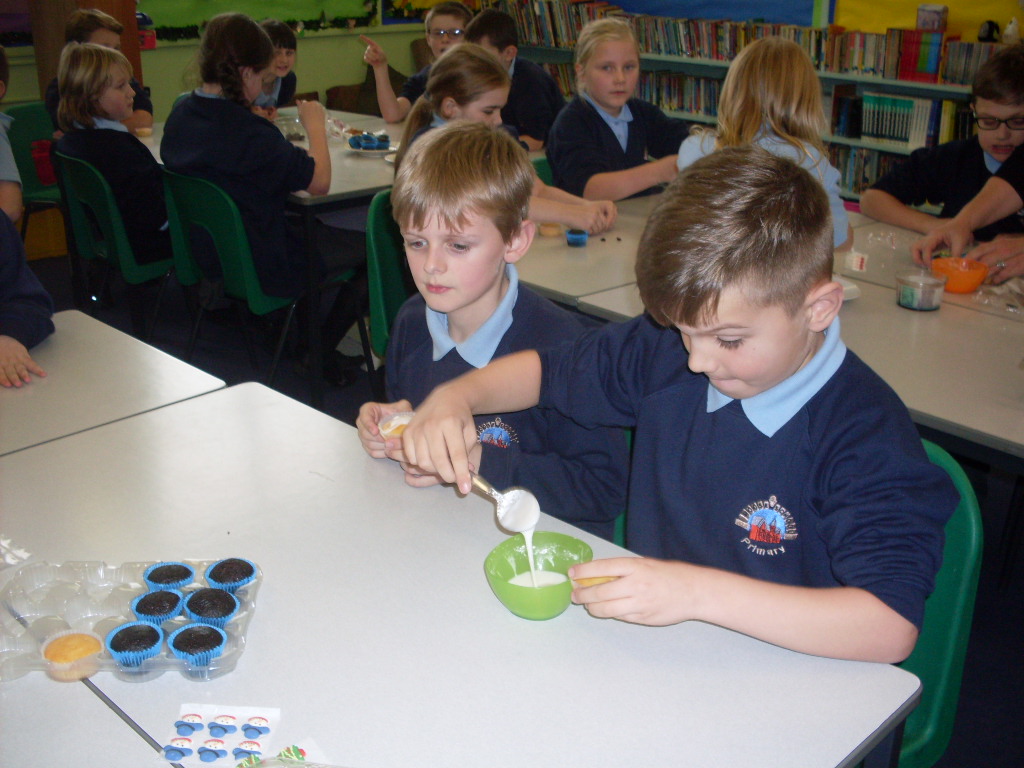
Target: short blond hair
739, 217
85, 70
460, 169
601, 31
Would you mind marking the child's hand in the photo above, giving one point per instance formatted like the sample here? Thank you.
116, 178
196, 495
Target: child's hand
373, 55
368, 424
441, 436
16, 364
644, 590
608, 214
1004, 257
312, 116
417, 478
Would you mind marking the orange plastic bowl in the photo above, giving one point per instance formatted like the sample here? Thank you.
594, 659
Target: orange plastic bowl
962, 275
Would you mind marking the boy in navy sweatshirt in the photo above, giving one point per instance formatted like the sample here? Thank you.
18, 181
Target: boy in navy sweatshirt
778, 486
461, 199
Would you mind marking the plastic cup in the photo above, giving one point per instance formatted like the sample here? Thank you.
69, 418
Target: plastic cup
919, 290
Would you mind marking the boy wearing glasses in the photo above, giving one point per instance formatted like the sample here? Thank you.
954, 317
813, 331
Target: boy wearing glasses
951, 174
445, 26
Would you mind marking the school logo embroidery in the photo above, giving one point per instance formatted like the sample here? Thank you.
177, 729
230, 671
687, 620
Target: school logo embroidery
769, 526
497, 433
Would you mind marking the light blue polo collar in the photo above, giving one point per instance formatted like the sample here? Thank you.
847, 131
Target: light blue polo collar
619, 125
769, 411
479, 348
108, 124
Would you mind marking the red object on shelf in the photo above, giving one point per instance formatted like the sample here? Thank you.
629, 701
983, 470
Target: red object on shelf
147, 39
41, 158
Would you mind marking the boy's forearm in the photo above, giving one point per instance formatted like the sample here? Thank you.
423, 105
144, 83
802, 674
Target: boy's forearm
838, 622
392, 109
510, 383
996, 200
885, 207
618, 185
10, 200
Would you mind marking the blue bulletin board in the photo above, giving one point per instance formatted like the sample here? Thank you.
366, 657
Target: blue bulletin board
803, 12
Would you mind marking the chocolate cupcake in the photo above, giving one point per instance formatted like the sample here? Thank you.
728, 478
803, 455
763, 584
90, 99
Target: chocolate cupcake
197, 644
231, 574
132, 643
169, 575
212, 606
158, 606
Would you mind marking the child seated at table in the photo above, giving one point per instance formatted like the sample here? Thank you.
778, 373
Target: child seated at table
96, 96
778, 486
469, 83
601, 141
534, 99
26, 310
89, 25
213, 134
278, 90
951, 174
10, 179
461, 200
771, 97
445, 26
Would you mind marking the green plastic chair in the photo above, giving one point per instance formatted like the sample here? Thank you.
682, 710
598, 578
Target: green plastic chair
31, 123
91, 206
388, 285
543, 168
938, 657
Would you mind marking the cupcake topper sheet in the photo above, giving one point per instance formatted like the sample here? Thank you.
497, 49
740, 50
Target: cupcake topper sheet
212, 734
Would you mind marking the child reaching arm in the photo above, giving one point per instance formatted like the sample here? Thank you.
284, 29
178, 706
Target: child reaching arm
469, 83
778, 487
460, 199
600, 143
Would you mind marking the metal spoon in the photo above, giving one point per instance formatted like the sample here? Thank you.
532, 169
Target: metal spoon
518, 509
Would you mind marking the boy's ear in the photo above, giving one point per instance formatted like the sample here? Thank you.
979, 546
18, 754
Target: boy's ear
521, 242
823, 304
508, 55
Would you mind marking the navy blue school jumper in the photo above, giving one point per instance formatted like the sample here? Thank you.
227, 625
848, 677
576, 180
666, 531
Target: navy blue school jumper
135, 179
949, 175
26, 308
416, 85
52, 99
841, 494
1012, 171
534, 100
578, 475
248, 157
581, 144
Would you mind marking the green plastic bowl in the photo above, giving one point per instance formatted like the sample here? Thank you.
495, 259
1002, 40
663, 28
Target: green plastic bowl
552, 552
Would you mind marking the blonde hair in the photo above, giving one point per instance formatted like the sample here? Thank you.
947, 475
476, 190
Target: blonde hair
460, 169
771, 84
596, 32
463, 73
85, 70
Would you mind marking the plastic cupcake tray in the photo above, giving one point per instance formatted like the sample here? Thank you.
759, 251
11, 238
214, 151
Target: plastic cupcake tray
42, 600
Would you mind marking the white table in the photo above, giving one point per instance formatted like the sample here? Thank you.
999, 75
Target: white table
375, 631
564, 274
95, 374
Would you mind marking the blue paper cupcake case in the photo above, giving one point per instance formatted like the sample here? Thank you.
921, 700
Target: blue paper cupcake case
204, 658
219, 621
156, 585
158, 619
230, 586
134, 658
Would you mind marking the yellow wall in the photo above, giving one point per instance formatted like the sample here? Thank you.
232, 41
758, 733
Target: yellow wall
965, 16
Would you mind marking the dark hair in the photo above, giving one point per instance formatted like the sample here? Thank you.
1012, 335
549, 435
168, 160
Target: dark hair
464, 73
5, 68
281, 35
232, 41
1001, 78
83, 22
739, 217
496, 26
449, 8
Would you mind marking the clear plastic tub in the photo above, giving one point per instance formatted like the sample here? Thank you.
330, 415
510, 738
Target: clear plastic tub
42, 600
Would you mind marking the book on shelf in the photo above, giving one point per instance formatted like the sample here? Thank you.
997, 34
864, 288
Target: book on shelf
962, 60
932, 16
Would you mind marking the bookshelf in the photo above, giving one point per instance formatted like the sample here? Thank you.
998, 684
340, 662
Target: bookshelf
683, 62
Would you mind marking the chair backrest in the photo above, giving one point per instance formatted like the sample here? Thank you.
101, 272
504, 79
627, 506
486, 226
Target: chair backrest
91, 204
31, 123
543, 168
194, 202
385, 257
938, 657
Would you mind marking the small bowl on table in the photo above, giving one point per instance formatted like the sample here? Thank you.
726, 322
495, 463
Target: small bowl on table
291, 127
552, 552
962, 275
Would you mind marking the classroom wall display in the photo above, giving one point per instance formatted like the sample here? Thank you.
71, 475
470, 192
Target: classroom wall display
180, 19
810, 13
964, 17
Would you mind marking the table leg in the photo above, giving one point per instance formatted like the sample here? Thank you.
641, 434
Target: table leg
314, 352
886, 754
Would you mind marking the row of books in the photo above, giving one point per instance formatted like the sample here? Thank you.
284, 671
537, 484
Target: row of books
900, 54
903, 121
859, 168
